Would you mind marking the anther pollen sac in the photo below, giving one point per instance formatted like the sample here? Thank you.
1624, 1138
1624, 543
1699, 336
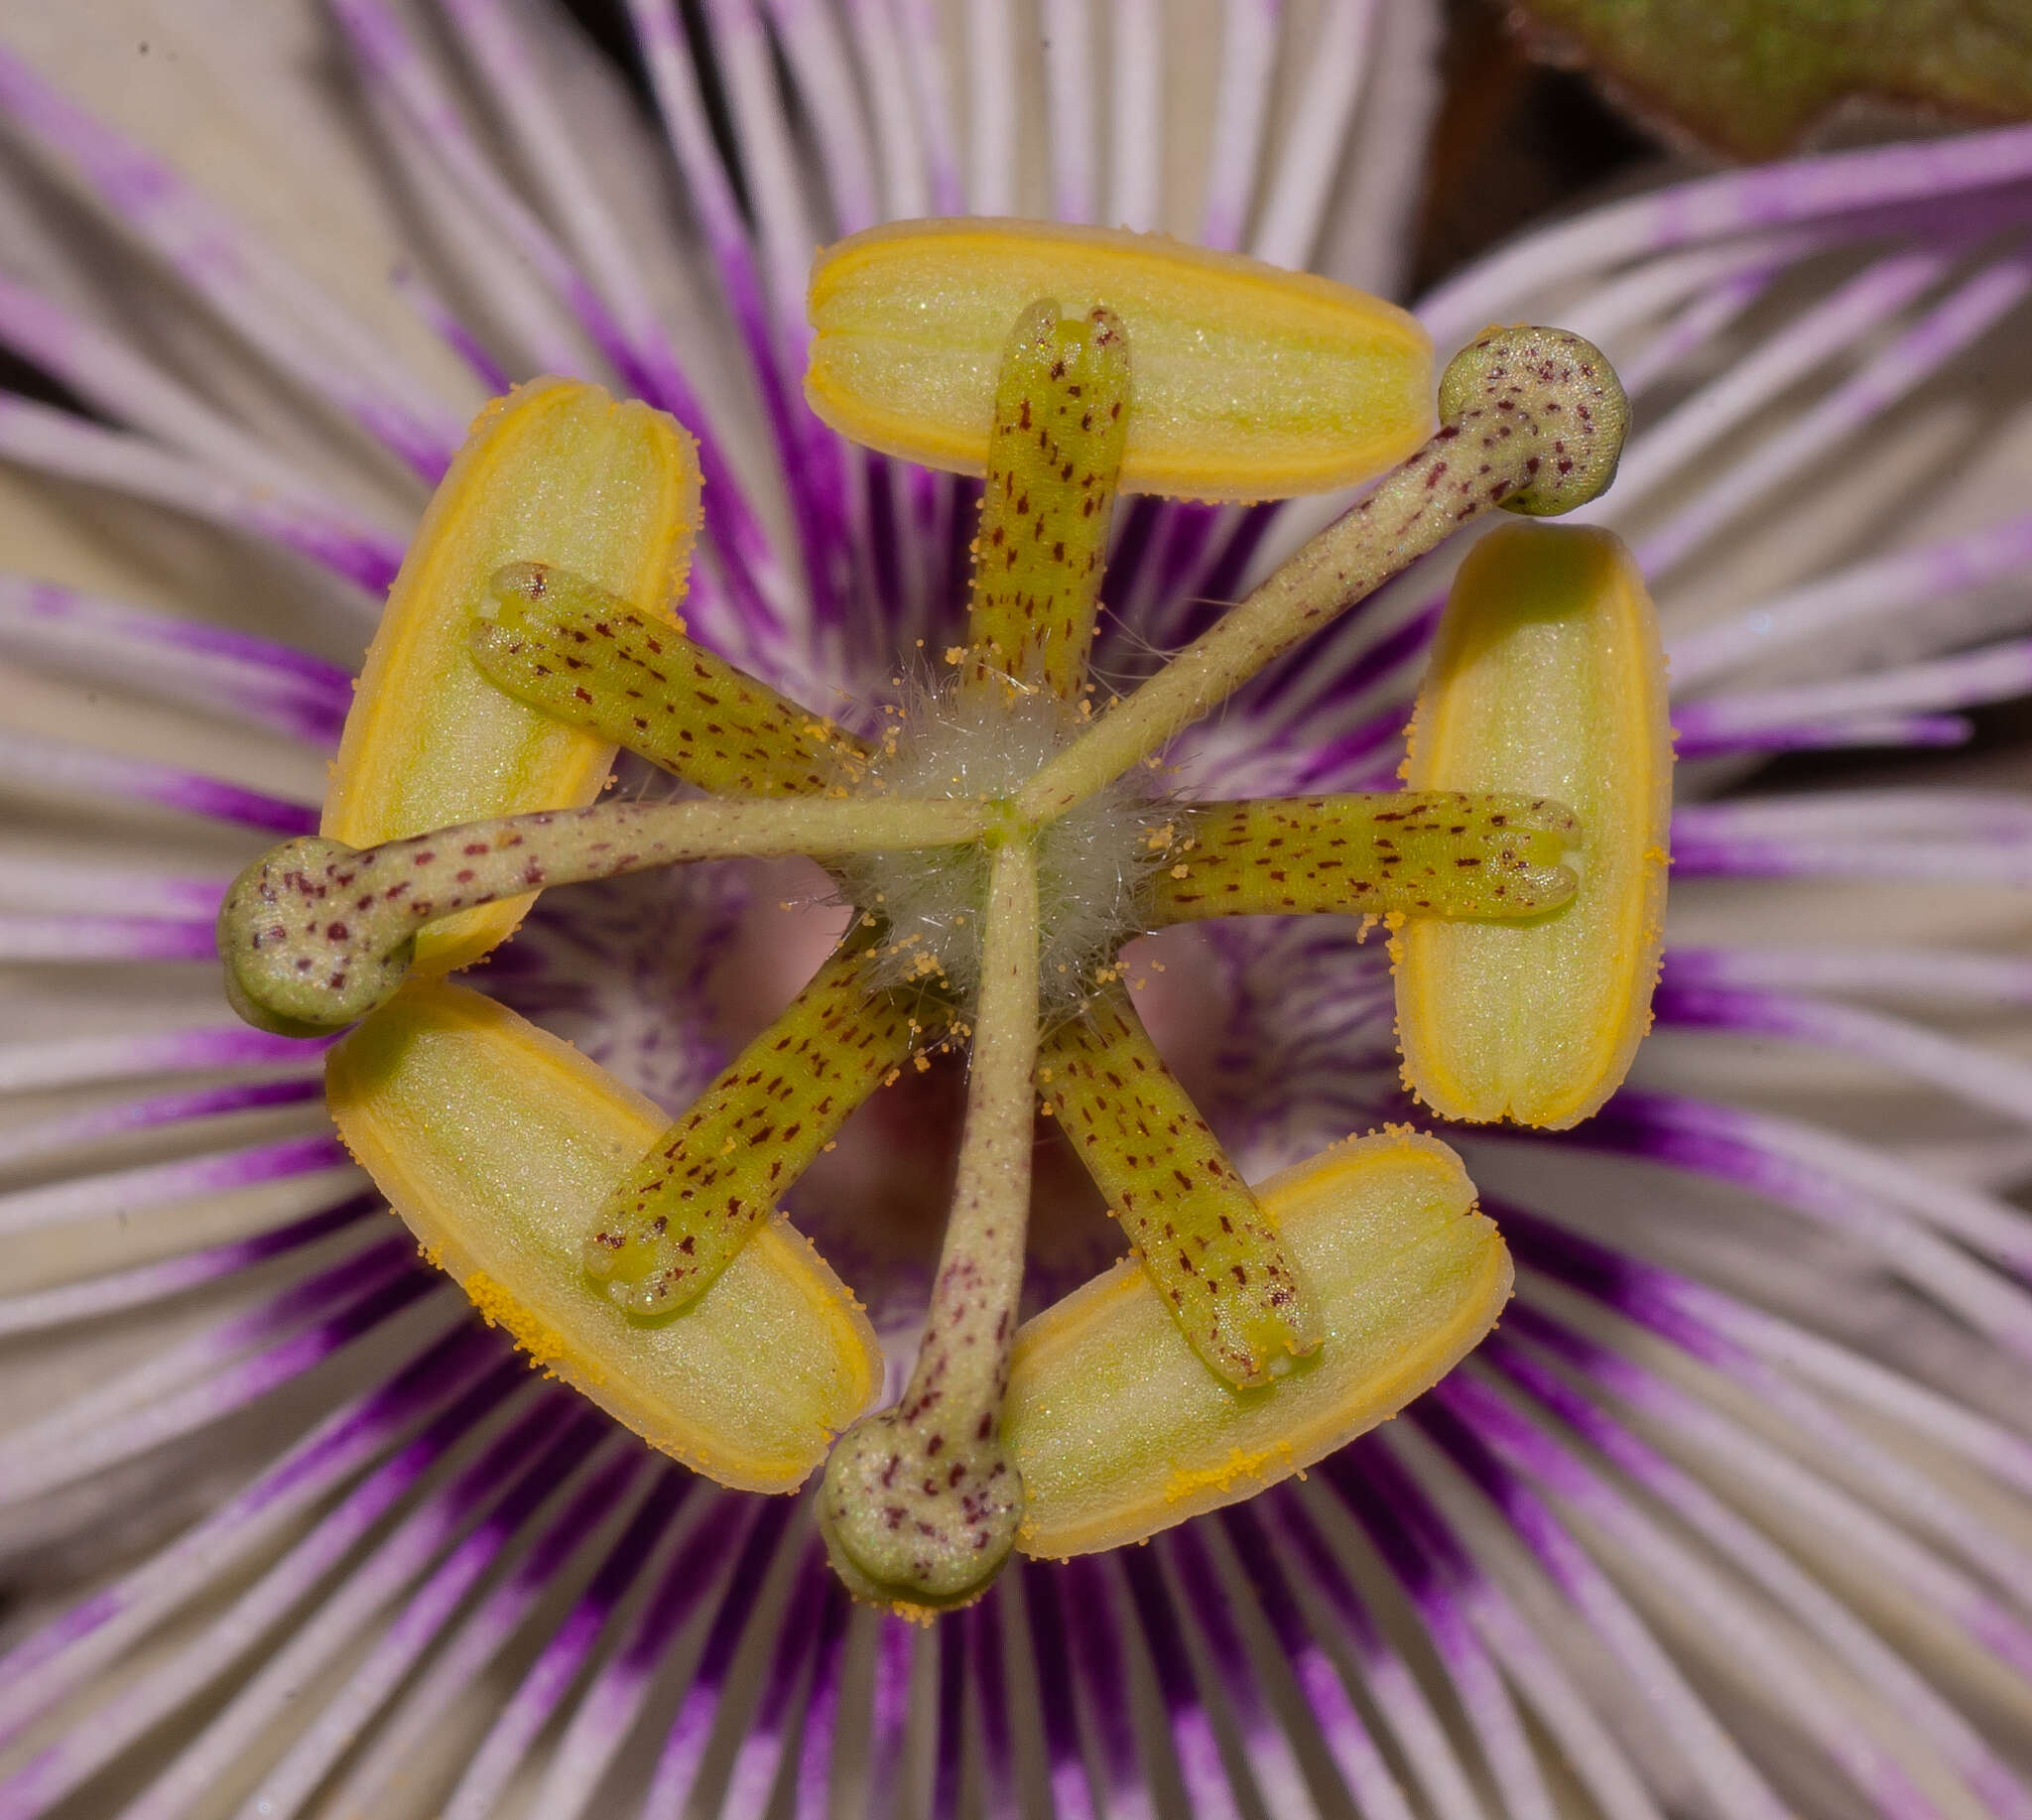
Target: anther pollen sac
1545, 673
1119, 1430
1251, 382
491, 1138
556, 471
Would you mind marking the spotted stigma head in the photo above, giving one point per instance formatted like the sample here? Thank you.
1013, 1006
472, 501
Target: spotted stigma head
1553, 387
291, 966
915, 1524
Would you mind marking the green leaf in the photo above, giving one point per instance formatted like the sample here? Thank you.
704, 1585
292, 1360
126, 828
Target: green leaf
1750, 76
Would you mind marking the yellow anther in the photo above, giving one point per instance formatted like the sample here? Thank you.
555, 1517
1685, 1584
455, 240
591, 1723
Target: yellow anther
500, 1194
1546, 676
912, 319
553, 472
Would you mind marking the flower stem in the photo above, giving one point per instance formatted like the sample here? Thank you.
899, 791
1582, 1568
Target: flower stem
669, 1230
1426, 853
921, 1502
315, 934
1206, 1243
1062, 421
582, 655
1531, 418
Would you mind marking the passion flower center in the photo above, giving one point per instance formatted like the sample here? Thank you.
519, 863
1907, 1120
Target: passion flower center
982, 745
1001, 842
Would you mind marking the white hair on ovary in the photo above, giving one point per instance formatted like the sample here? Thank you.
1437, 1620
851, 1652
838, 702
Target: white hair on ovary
985, 742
